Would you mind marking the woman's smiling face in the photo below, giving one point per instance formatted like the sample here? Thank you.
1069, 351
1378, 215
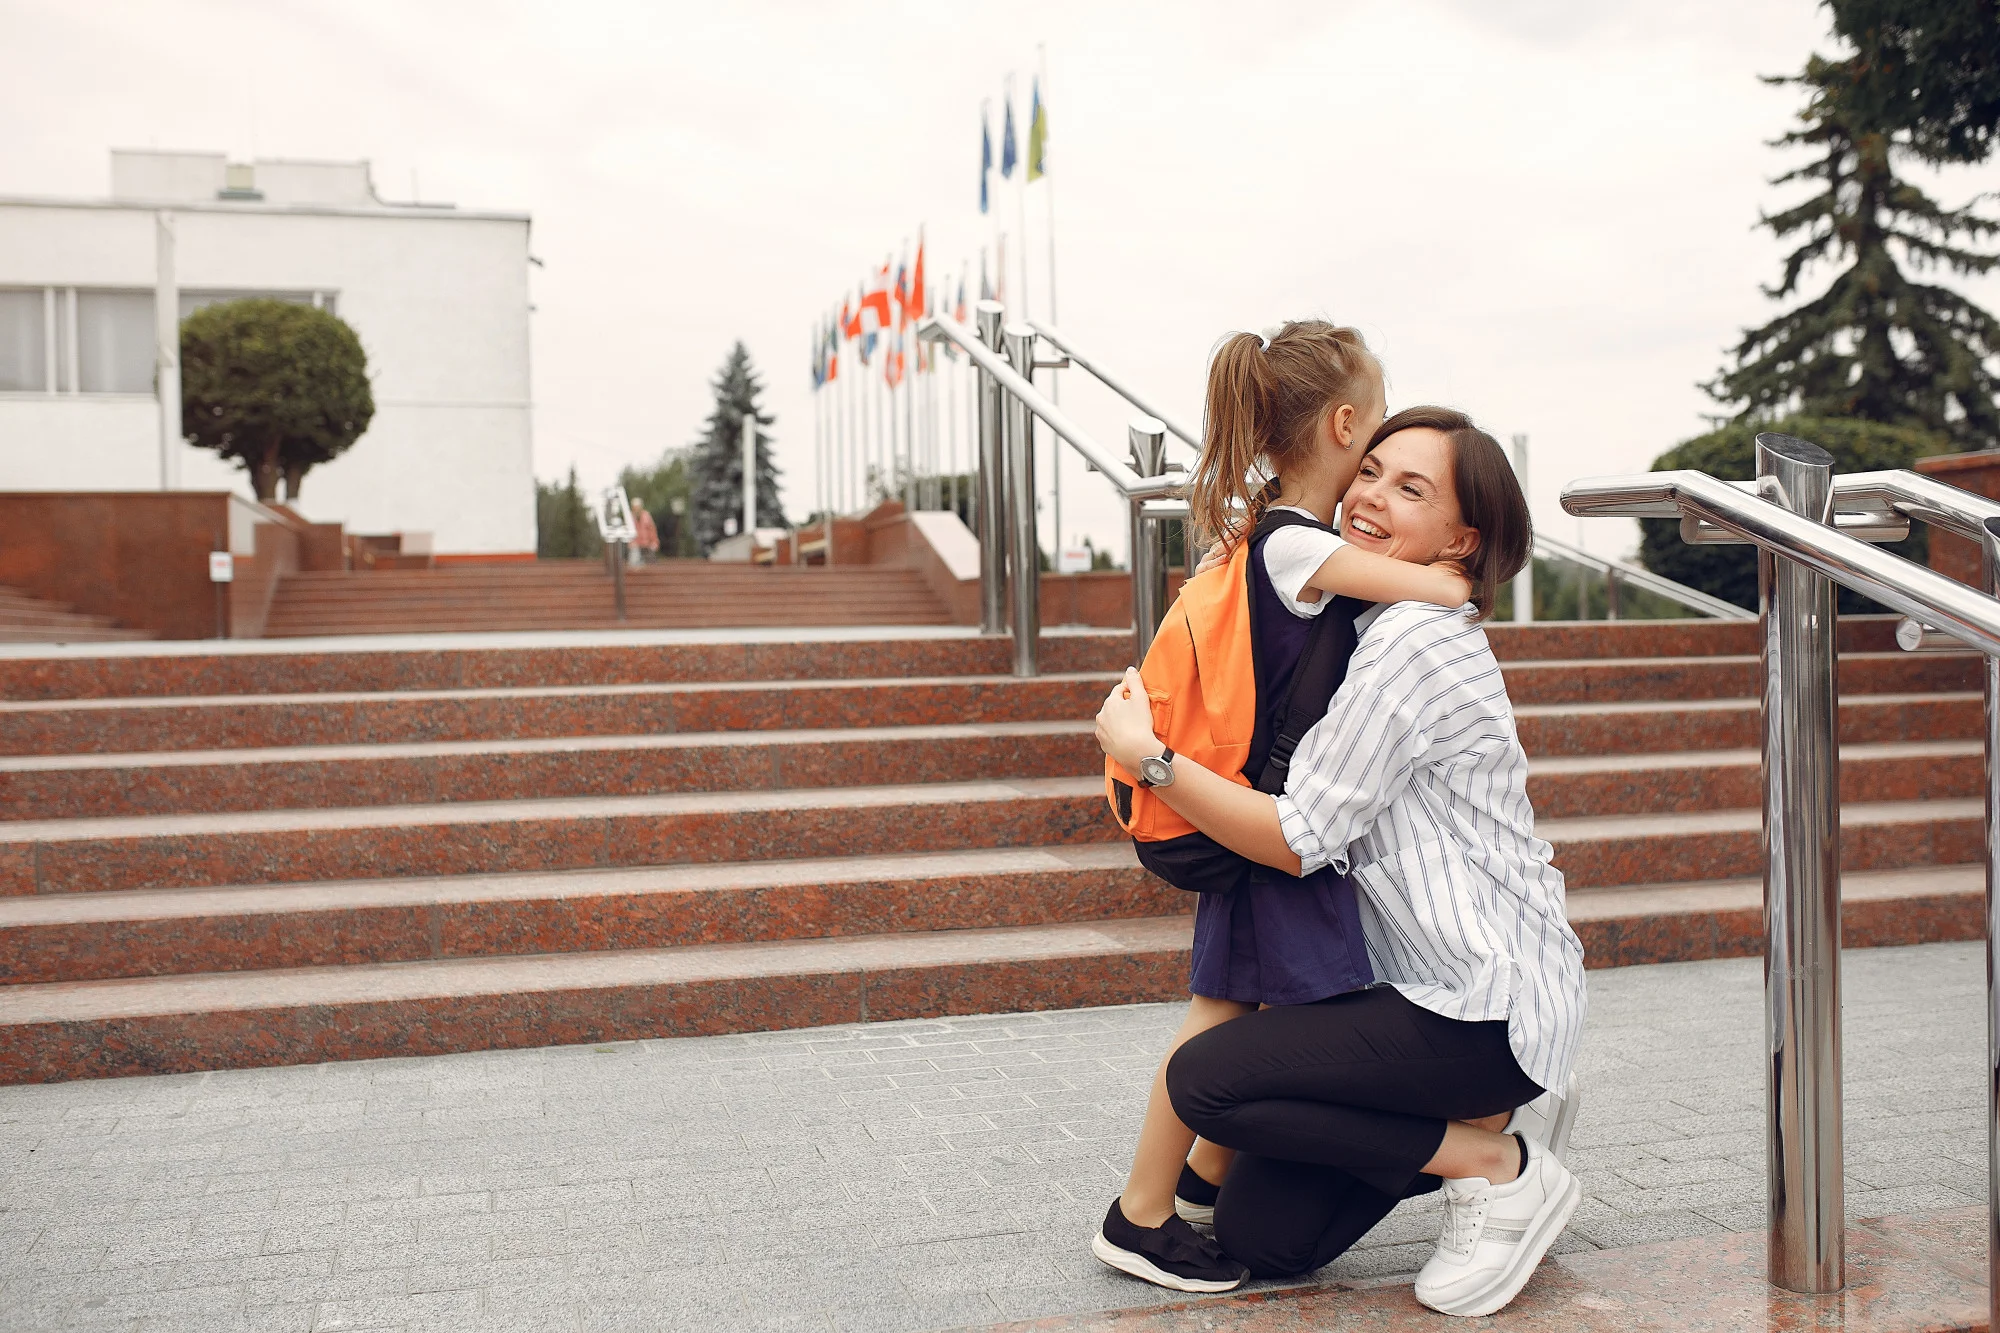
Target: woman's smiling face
1404, 504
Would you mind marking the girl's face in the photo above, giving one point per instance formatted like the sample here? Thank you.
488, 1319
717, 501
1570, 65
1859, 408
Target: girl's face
1403, 502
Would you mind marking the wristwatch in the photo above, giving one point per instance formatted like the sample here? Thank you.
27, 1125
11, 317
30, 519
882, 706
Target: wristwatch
1158, 771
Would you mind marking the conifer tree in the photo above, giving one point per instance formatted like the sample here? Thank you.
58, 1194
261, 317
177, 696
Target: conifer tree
717, 460
1882, 343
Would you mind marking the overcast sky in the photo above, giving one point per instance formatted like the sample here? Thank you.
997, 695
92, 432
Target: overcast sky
1540, 211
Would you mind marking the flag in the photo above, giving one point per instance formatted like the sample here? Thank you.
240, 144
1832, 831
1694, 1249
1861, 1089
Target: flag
818, 361
918, 301
958, 311
902, 293
892, 361
873, 313
985, 156
1007, 157
850, 323
1038, 136
832, 352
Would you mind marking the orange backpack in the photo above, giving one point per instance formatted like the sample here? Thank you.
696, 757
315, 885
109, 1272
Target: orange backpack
1204, 676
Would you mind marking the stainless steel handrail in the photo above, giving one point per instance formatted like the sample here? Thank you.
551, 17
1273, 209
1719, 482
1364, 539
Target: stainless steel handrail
1910, 588
1638, 576
1009, 402
1790, 517
1062, 344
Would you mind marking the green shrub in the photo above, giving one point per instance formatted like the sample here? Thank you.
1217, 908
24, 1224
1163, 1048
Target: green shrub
1730, 572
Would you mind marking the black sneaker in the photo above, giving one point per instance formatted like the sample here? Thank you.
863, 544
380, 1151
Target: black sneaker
1172, 1255
1194, 1198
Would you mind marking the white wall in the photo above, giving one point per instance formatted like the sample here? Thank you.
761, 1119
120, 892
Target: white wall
439, 301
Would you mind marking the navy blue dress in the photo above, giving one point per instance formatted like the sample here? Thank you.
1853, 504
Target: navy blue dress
1280, 939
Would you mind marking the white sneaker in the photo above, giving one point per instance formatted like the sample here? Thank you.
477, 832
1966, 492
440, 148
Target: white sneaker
1494, 1235
1549, 1118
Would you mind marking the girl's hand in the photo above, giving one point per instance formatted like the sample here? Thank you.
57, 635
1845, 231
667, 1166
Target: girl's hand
1456, 572
1125, 723
1217, 554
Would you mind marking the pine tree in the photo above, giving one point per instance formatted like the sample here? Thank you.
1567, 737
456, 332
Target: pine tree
1877, 344
717, 462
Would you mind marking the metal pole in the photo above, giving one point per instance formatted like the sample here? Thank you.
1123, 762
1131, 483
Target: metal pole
750, 481
1524, 582
166, 351
1025, 546
1610, 593
1989, 568
1801, 885
992, 495
1148, 438
618, 576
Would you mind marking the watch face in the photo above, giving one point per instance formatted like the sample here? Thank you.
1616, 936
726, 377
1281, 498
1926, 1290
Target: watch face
1157, 772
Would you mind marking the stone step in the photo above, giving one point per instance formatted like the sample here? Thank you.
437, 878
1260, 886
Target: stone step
529, 661
55, 1031
91, 936
1707, 780
158, 1025
1602, 851
260, 721
321, 777
193, 781
1650, 727
501, 837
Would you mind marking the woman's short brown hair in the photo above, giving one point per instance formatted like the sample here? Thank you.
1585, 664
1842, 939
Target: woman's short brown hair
1489, 497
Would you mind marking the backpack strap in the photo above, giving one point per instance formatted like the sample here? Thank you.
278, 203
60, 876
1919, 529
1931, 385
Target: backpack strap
1321, 668
1315, 680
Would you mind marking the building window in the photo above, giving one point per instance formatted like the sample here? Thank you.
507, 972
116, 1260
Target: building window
192, 301
114, 342
24, 363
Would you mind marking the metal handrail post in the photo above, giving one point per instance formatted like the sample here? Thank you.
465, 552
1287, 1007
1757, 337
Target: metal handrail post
992, 497
1025, 546
1989, 569
1148, 439
1801, 886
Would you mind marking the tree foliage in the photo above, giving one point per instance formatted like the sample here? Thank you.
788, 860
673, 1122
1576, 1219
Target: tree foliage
1878, 343
565, 523
1927, 71
278, 387
716, 464
1730, 572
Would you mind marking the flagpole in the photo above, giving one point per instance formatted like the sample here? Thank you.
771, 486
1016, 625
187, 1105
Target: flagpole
1049, 198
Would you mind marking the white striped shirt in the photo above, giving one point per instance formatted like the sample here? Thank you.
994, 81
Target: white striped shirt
1415, 783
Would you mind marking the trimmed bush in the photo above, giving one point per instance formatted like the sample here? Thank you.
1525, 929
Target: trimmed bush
1730, 572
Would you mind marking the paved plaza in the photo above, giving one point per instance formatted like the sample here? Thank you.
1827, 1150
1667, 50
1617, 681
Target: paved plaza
868, 1179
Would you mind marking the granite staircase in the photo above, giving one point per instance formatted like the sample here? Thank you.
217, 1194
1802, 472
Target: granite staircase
578, 594
220, 859
25, 618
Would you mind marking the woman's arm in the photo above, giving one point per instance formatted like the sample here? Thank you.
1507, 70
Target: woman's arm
1240, 818
1350, 572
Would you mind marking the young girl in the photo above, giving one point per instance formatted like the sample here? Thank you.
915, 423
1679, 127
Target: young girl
1300, 406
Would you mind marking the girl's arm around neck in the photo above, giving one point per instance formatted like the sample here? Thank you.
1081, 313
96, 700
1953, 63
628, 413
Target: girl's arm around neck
1349, 572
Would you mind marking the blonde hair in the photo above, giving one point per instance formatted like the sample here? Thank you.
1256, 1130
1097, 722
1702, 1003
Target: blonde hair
1266, 398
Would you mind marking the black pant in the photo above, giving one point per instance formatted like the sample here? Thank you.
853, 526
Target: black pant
1333, 1108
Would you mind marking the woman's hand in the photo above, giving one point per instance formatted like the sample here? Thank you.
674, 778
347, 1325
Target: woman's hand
1217, 554
1125, 723
1461, 580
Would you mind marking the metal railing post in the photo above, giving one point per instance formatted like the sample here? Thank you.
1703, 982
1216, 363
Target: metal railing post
1148, 439
1989, 569
991, 500
1025, 547
1807, 1248
1524, 582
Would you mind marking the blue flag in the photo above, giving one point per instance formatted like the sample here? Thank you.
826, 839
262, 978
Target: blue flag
985, 157
1007, 142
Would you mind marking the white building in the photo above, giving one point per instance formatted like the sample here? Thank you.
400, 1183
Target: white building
91, 292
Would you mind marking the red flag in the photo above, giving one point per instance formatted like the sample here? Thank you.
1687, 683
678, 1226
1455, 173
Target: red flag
918, 302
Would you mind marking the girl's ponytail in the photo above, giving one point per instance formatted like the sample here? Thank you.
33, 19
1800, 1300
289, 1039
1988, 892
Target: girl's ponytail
1266, 398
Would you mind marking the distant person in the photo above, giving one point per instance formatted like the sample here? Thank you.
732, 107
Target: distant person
646, 539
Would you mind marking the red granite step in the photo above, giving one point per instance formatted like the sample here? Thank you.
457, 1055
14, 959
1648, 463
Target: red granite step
1724, 844
1723, 724
501, 837
83, 936
155, 1025
322, 777
254, 721
1597, 785
161, 671
1721, 677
